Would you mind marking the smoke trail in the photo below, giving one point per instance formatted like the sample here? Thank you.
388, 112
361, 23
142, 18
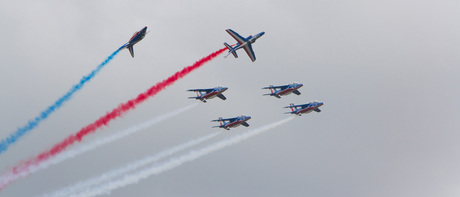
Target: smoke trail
15, 136
118, 111
177, 161
10, 177
130, 167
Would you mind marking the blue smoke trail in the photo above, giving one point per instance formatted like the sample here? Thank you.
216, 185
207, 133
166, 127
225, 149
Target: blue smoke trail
6, 142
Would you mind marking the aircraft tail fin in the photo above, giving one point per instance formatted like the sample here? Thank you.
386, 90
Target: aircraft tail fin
230, 50
292, 108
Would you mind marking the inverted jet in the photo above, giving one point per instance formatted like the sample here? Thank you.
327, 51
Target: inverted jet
278, 91
232, 122
245, 43
204, 94
305, 108
138, 36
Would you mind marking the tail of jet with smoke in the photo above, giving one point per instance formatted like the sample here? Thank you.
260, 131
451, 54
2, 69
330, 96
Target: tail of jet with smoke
115, 113
10, 177
175, 162
15, 136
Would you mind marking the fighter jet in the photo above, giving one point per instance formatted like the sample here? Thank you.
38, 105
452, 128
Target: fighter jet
305, 108
245, 43
203, 94
278, 91
138, 36
232, 122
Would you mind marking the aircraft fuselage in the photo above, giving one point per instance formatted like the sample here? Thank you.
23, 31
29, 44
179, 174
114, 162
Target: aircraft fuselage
138, 36
236, 123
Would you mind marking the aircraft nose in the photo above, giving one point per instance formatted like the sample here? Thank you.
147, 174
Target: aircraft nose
320, 103
262, 33
300, 85
248, 117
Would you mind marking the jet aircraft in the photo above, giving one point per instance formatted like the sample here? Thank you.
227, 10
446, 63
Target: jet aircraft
138, 36
305, 108
245, 43
278, 91
203, 94
232, 122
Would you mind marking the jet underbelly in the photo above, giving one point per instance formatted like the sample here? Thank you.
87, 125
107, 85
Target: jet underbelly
234, 124
305, 111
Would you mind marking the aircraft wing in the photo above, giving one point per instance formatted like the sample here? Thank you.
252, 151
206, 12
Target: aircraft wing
236, 36
245, 124
317, 110
226, 119
273, 87
249, 51
296, 92
304, 105
201, 90
131, 50
221, 96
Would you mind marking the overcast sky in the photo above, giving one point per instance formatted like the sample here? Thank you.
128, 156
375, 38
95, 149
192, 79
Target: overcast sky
387, 71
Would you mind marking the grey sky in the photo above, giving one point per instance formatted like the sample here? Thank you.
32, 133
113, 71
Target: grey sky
386, 70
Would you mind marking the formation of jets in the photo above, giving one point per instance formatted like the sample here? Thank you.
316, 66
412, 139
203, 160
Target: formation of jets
209, 93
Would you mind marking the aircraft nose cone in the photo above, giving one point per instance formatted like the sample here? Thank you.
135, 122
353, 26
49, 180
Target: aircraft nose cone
248, 117
320, 103
300, 85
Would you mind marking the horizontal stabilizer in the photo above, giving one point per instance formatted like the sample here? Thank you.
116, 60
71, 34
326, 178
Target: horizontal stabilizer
230, 50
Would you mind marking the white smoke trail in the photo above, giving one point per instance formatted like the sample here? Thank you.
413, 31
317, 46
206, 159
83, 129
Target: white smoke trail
10, 177
175, 162
130, 167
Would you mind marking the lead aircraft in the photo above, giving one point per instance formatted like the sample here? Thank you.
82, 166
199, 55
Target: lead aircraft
278, 91
232, 122
245, 43
138, 36
305, 108
203, 94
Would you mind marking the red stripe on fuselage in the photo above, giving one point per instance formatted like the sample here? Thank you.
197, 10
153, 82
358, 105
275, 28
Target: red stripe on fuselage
306, 110
286, 91
135, 34
234, 124
210, 95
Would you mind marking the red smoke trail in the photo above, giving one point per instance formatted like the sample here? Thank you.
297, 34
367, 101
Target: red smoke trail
121, 109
